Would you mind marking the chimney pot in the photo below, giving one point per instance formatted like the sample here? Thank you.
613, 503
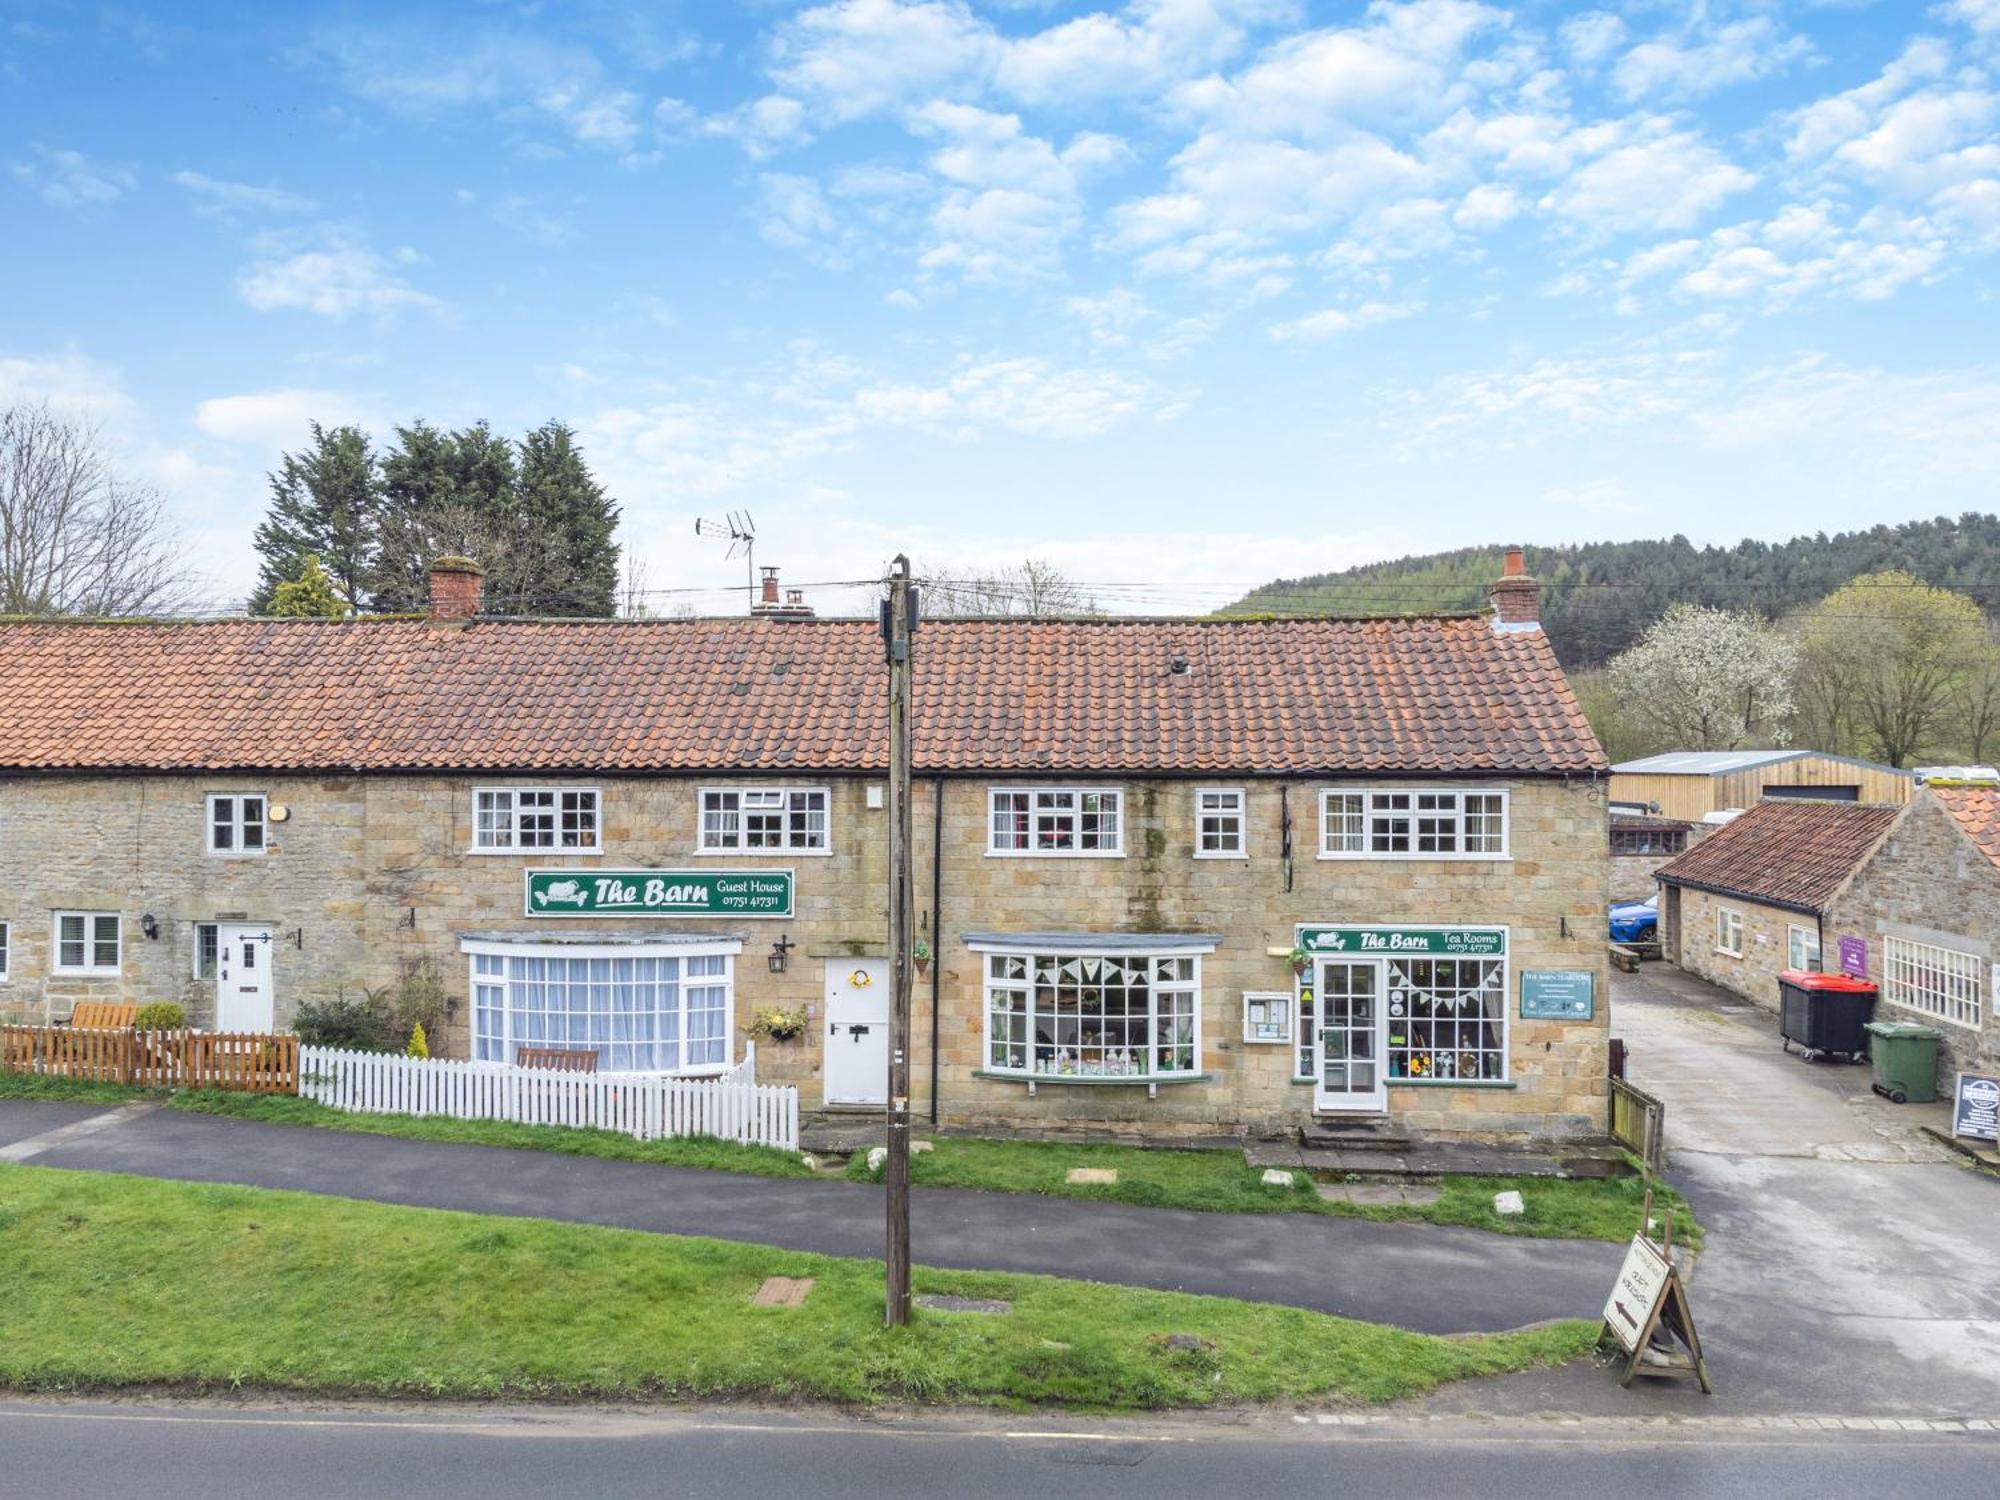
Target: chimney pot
1516, 597
457, 584
770, 591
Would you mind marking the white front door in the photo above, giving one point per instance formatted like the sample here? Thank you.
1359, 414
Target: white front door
856, 1038
244, 993
1349, 1015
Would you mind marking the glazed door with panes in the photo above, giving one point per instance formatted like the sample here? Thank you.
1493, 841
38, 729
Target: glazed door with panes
244, 994
1348, 1075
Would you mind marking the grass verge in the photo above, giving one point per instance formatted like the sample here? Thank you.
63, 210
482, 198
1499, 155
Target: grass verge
119, 1282
1221, 1182
1204, 1181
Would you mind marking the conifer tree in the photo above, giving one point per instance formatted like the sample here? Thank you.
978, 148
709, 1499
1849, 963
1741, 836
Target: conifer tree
324, 502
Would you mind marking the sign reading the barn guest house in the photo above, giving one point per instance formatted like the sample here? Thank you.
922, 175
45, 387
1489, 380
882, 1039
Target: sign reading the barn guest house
659, 893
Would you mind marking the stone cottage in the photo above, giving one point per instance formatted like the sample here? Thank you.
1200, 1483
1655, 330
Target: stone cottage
1181, 875
1908, 897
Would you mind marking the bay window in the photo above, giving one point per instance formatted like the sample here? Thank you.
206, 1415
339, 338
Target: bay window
778, 819
1066, 1014
509, 820
641, 1007
1412, 823
1066, 820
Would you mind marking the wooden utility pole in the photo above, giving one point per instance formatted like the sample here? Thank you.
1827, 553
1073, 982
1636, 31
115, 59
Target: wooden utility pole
898, 625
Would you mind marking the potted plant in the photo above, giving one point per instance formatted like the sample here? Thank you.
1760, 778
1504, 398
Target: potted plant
920, 951
778, 1023
1299, 958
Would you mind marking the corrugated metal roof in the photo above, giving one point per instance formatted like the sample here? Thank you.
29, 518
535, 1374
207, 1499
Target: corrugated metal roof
1706, 762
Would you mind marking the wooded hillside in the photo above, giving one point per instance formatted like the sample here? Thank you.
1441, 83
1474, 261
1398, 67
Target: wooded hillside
1600, 596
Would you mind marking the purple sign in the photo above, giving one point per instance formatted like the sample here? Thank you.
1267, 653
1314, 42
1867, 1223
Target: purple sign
1854, 957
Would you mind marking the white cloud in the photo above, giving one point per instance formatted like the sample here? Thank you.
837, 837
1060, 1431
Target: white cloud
1027, 396
70, 382
793, 214
333, 278
1138, 49
860, 57
1593, 36
1487, 206
224, 199
1334, 321
276, 419
69, 179
1665, 179
1689, 68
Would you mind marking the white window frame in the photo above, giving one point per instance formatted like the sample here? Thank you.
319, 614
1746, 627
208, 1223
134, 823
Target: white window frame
1036, 812
1203, 814
1726, 916
236, 824
989, 952
705, 842
213, 933
555, 812
1370, 813
6, 951
1905, 960
90, 968
475, 949
1797, 941
1306, 1021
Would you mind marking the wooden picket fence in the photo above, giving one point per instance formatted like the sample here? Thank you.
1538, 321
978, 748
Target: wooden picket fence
731, 1107
1639, 1123
246, 1062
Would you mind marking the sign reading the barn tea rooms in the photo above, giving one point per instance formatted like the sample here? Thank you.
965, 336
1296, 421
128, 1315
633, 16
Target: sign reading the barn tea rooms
659, 893
1423, 942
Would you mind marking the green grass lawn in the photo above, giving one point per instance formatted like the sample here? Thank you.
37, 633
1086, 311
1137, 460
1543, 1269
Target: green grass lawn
1221, 1182
120, 1282
1206, 1181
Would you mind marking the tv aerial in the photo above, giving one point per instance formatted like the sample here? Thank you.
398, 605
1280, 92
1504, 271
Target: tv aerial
741, 532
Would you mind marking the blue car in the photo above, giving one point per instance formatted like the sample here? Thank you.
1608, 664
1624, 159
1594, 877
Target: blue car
1636, 921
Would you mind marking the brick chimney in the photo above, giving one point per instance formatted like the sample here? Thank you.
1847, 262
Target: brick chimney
456, 586
769, 607
1516, 598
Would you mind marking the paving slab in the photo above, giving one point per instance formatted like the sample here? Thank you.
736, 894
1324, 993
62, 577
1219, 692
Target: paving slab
1473, 1281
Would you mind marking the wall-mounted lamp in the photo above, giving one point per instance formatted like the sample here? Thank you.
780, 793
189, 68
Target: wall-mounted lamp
781, 952
150, 925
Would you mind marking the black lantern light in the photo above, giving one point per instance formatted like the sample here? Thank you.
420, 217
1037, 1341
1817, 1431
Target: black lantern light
781, 954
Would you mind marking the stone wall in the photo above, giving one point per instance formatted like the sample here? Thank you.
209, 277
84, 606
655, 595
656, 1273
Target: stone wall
369, 876
1928, 883
1753, 975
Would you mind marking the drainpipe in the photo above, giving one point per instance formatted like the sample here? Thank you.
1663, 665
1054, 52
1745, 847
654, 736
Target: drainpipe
937, 928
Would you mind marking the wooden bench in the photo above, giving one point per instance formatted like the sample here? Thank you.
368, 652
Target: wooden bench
103, 1015
556, 1059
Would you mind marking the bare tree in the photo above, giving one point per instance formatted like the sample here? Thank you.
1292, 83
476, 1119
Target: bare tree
75, 539
1975, 697
632, 593
1034, 588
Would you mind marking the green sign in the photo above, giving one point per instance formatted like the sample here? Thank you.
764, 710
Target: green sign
1558, 995
659, 893
1419, 942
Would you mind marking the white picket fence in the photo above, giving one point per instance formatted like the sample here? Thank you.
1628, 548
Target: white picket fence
732, 1106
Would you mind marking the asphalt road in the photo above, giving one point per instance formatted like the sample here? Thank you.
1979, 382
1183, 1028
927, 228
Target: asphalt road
207, 1453
1472, 1281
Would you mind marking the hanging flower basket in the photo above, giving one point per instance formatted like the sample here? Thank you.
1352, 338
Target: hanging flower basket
920, 954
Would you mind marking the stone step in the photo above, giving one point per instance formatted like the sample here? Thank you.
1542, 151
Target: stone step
1341, 1134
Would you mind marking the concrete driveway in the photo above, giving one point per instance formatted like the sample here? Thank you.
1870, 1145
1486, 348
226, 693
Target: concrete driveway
1852, 1263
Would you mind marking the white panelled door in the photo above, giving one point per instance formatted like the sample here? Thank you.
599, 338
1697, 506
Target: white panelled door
245, 994
856, 1036
1350, 1037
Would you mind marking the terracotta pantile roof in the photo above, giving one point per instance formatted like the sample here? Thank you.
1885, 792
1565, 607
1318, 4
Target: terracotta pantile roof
1977, 809
1786, 852
1438, 694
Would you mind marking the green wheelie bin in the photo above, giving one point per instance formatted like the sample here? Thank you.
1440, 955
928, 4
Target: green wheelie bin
1905, 1059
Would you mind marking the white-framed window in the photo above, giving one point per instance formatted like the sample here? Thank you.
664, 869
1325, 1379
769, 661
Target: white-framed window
642, 1008
1446, 1018
1412, 823
1125, 1015
1802, 948
6, 952
1940, 982
1083, 821
88, 942
1729, 931
236, 823
513, 819
782, 820
1219, 823
207, 949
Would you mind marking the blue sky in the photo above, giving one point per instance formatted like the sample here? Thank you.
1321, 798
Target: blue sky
1179, 294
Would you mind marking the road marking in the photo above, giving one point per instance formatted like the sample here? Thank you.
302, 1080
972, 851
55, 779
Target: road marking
62, 1135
